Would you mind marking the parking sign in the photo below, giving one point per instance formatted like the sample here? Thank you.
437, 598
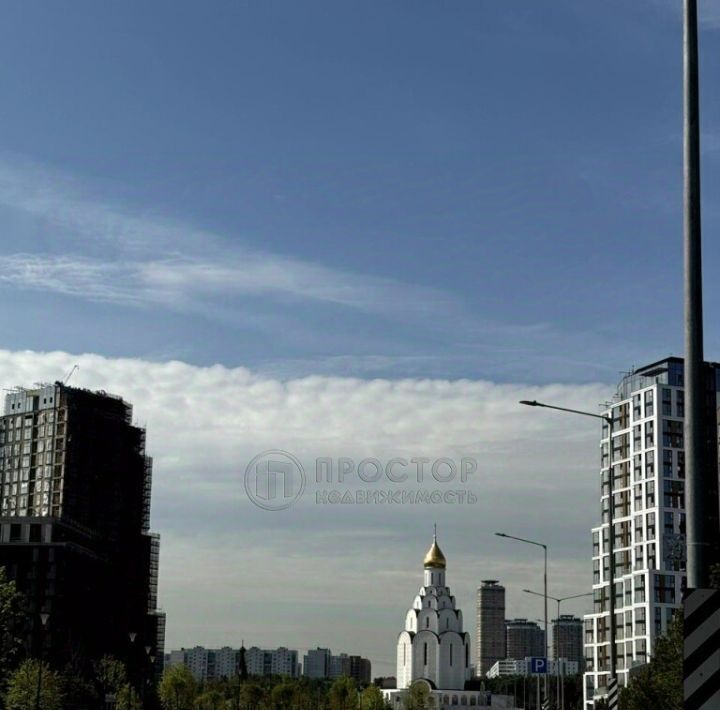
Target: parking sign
538, 665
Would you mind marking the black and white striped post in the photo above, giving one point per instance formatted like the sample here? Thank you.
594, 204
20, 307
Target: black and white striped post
613, 694
701, 666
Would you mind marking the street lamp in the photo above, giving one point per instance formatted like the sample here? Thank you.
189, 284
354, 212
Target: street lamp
559, 600
43, 619
544, 547
612, 684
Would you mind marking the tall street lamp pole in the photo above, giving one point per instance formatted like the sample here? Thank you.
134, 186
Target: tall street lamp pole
43, 619
612, 684
545, 584
559, 686
701, 510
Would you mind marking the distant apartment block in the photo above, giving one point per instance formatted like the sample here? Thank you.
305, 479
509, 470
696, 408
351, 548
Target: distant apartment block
490, 626
320, 663
523, 639
316, 663
213, 664
278, 661
567, 638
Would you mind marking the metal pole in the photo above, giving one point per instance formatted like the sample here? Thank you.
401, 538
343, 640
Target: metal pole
611, 549
698, 481
547, 638
556, 643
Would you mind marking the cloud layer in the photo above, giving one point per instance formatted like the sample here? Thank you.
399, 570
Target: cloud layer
342, 576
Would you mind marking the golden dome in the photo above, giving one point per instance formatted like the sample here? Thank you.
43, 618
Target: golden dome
434, 557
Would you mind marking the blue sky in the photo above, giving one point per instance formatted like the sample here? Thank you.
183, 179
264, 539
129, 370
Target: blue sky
473, 189
330, 213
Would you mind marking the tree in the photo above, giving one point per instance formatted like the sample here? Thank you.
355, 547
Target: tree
659, 684
282, 695
210, 700
372, 699
343, 694
110, 675
11, 619
177, 689
418, 697
23, 688
251, 695
128, 698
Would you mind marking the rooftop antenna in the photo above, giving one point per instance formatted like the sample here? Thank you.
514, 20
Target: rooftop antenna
71, 373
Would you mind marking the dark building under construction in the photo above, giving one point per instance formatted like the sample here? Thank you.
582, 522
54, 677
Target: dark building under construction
75, 485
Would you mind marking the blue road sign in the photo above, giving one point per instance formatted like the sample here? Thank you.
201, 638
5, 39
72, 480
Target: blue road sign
538, 665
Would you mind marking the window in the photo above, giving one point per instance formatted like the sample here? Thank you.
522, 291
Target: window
649, 409
680, 403
649, 464
637, 406
673, 433
637, 437
425, 654
638, 528
658, 621
673, 494
667, 402
640, 621
650, 494
651, 526
669, 524
649, 434
639, 558
638, 497
639, 589
667, 463
651, 556
637, 467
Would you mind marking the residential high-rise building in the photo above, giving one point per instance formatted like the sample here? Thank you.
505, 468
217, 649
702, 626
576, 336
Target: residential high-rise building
278, 661
354, 667
649, 516
75, 485
206, 663
316, 663
567, 638
490, 626
523, 639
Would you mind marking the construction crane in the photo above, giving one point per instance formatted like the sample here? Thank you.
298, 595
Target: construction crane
71, 373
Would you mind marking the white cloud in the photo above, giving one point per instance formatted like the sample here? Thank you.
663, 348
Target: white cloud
342, 577
103, 250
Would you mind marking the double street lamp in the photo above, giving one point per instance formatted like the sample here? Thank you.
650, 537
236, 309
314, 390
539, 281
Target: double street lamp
612, 685
560, 686
545, 584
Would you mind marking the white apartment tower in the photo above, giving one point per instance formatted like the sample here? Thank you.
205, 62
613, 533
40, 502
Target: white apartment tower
649, 518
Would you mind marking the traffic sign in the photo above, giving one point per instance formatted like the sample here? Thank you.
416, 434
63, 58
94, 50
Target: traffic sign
538, 665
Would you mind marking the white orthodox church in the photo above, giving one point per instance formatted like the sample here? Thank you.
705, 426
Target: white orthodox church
433, 649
